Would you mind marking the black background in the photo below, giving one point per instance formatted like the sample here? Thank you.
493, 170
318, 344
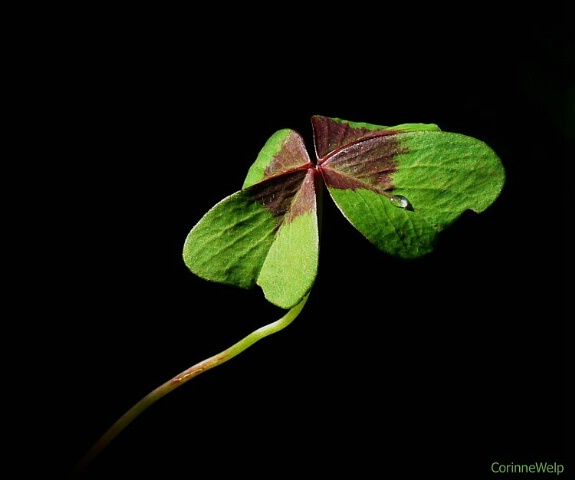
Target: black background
130, 125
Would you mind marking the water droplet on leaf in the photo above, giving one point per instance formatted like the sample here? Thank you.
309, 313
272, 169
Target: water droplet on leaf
401, 202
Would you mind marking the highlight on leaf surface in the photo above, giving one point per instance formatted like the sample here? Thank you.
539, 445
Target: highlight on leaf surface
399, 186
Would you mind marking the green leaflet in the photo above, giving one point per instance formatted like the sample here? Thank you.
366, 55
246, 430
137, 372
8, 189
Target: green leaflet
230, 243
242, 244
290, 268
440, 174
267, 233
284, 151
394, 230
444, 174
399, 186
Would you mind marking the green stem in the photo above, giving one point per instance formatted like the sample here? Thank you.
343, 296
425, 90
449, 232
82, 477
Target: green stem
182, 378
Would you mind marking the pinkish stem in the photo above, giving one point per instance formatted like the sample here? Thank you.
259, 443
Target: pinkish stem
182, 378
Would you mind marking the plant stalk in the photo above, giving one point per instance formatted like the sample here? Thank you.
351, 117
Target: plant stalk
182, 378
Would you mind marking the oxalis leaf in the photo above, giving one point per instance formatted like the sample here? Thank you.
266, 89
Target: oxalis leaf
399, 186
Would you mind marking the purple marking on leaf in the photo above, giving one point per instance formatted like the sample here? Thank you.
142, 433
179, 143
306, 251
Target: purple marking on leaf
335, 179
329, 135
277, 193
305, 200
367, 164
350, 158
292, 154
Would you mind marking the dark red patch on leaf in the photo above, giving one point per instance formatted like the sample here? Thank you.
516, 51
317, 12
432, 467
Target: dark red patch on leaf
277, 193
292, 154
348, 158
306, 199
367, 164
329, 135
335, 179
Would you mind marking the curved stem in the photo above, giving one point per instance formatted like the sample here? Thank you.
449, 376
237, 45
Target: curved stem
182, 378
